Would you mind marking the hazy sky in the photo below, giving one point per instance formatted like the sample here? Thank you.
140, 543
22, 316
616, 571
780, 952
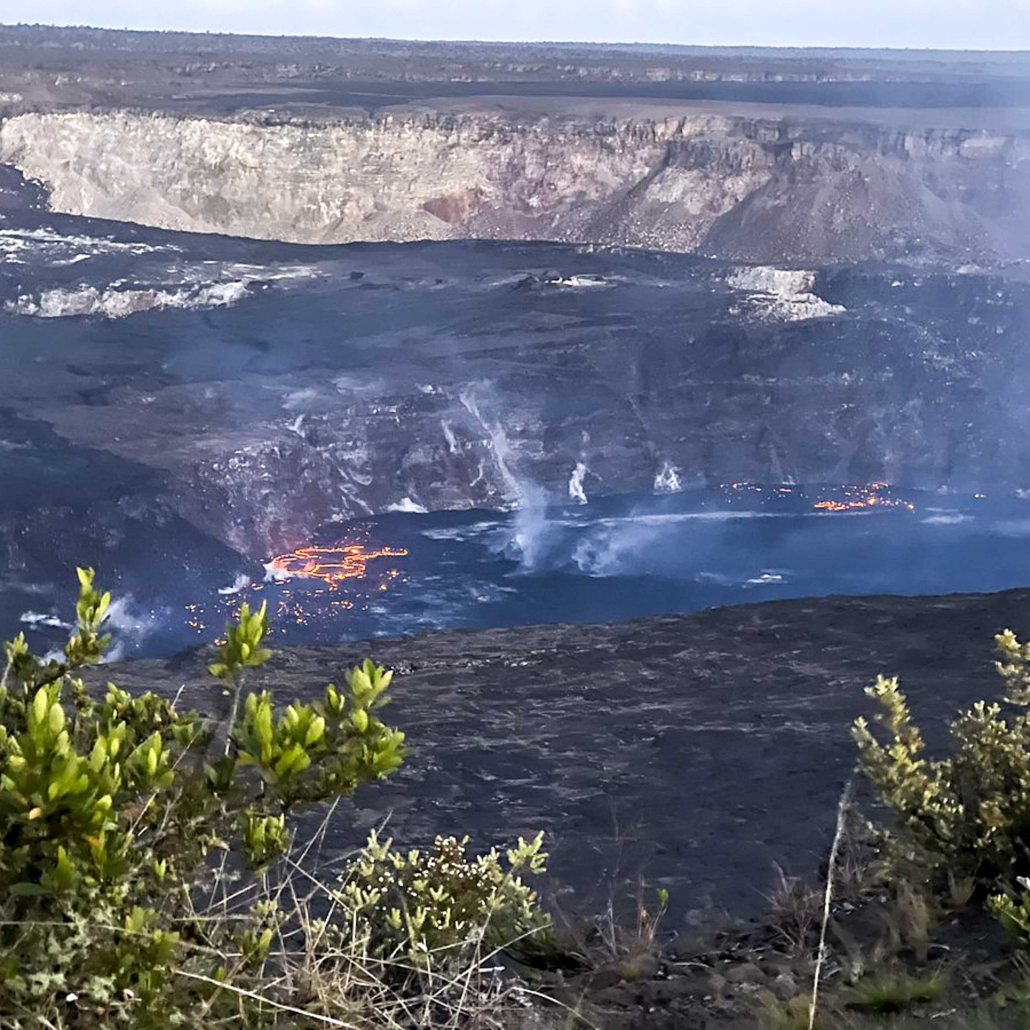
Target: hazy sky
962, 24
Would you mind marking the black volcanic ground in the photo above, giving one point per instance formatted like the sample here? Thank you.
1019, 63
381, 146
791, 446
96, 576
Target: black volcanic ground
694, 750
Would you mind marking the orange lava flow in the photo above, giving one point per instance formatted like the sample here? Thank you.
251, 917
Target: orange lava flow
332, 565
863, 497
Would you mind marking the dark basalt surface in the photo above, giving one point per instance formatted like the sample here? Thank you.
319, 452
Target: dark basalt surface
695, 751
463, 374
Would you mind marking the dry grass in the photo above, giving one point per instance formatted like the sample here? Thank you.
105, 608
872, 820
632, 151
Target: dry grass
887, 992
639, 938
319, 974
795, 905
609, 941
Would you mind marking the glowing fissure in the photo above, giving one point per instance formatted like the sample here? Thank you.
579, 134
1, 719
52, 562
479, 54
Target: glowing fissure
854, 498
332, 565
849, 498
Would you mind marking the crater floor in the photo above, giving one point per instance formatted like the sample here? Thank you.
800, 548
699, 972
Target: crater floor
695, 751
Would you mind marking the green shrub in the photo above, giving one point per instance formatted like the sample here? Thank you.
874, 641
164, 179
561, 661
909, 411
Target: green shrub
117, 814
964, 818
1013, 911
967, 815
438, 907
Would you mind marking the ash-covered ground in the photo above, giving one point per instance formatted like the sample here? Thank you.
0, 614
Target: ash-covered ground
693, 751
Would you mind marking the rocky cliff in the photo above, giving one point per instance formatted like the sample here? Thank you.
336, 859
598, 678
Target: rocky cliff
686, 178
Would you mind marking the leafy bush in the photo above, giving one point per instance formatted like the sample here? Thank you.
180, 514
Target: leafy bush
966, 817
1013, 911
145, 866
438, 907
968, 814
116, 814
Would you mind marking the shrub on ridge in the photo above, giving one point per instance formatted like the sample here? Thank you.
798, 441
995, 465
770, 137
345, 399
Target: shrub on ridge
112, 812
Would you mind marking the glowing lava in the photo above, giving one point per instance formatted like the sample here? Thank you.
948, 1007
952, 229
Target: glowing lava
859, 497
332, 565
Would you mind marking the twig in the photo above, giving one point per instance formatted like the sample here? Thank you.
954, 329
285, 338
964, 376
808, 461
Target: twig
234, 711
842, 809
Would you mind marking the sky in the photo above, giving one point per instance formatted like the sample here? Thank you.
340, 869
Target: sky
951, 24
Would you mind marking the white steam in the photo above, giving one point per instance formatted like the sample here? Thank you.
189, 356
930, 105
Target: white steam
117, 303
407, 505
576, 491
240, 583
780, 294
471, 399
44, 619
667, 481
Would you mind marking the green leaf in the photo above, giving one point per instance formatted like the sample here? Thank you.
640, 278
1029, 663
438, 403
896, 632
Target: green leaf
28, 890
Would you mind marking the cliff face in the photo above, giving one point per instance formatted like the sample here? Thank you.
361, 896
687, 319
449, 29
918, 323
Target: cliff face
742, 188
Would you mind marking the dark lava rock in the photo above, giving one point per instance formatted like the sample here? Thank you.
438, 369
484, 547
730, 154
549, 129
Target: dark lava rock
673, 748
19, 194
745, 973
301, 406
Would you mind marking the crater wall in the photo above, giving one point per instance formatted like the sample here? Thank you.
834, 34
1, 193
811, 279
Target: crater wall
752, 189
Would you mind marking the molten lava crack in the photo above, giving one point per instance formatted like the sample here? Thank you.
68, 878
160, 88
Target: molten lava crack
332, 565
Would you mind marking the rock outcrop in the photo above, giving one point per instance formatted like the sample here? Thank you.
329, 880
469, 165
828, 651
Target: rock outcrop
744, 188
